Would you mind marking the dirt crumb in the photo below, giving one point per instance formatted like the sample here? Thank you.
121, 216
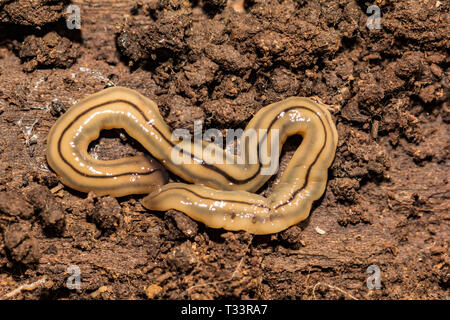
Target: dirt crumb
182, 258
292, 237
21, 245
182, 114
155, 42
345, 188
368, 159
13, 203
185, 224
354, 216
51, 50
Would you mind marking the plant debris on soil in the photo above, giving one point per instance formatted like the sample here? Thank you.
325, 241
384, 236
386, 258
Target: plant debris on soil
387, 198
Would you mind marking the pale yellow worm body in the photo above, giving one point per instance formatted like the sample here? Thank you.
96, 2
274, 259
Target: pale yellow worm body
221, 196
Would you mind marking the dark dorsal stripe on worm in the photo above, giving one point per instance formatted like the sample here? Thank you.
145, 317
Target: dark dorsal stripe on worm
219, 196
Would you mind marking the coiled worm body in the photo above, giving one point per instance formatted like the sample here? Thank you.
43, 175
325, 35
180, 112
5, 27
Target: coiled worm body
222, 194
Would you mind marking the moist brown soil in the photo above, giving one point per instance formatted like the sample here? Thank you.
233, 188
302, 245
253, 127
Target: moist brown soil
387, 199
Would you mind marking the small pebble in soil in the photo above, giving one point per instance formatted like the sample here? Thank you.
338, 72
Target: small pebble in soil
152, 291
